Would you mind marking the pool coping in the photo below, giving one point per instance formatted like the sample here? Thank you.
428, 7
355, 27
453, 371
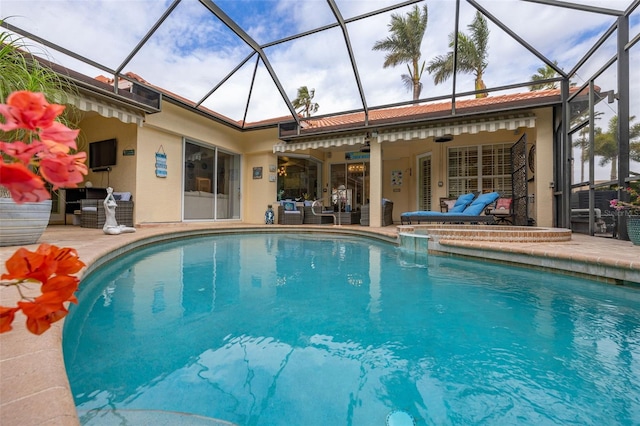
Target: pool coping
34, 389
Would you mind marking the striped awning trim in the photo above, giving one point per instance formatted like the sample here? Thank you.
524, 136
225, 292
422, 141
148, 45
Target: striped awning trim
495, 124
458, 128
106, 109
320, 143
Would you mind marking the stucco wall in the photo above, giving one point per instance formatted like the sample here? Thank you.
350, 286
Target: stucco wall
160, 198
122, 176
543, 205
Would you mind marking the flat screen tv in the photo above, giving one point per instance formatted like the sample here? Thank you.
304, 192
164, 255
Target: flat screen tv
102, 154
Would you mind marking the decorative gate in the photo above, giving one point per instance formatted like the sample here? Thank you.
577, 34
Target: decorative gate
519, 182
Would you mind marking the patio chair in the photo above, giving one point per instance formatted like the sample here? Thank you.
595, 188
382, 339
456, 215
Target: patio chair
466, 210
289, 213
502, 211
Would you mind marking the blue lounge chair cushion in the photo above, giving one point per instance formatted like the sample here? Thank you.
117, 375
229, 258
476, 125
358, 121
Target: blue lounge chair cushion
478, 205
462, 202
424, 213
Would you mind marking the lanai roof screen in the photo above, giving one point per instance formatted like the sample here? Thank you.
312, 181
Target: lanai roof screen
246, 60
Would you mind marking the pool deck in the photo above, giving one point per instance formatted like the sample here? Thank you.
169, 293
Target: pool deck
34, 389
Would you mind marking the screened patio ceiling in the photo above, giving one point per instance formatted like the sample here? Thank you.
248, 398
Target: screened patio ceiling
243, 61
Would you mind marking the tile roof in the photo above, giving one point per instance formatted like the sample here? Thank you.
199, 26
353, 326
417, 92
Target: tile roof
437, 109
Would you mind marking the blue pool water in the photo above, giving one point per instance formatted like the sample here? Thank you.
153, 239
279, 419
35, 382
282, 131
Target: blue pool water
275, 329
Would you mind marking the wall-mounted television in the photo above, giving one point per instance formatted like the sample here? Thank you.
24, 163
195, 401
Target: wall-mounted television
102, 154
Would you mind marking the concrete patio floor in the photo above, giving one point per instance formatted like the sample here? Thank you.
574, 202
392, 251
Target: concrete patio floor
34, 389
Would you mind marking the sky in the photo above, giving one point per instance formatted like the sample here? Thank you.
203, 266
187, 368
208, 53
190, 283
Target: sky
192, 52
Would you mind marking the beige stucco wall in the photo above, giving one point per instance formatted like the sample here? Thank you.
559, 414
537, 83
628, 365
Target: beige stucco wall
257, 194
543, 200
122, 176
159, 200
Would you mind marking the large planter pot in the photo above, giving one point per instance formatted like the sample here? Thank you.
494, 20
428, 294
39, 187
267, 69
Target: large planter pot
633, 229
22, 223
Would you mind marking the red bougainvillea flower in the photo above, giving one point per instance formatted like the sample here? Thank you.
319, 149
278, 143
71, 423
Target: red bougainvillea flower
23, 152
59, 138
46, 261
28, 110
51, 266
64, 170
43, 311
46, 145
27, 265
7, 316
45, 149
23, 184
66, 259
63, 286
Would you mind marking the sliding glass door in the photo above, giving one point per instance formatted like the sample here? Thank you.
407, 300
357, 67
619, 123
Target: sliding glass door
211, 183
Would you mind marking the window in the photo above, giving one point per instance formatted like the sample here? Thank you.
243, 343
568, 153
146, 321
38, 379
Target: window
482, 168
298, 179
424, 186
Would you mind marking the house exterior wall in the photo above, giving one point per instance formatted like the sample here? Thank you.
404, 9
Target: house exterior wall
541, 186
123, 175
159, 200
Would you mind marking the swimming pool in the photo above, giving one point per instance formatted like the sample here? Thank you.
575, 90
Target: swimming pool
270, 329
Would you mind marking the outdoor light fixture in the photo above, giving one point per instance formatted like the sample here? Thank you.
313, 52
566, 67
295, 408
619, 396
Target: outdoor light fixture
443, 138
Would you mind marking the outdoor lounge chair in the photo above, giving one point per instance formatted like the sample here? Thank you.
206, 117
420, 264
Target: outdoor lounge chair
466, 210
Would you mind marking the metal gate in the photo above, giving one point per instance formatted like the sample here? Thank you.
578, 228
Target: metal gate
519, 182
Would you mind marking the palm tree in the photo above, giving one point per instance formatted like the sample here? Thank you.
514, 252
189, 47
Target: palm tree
403, 46
303, 103
583, 142
472, 55
606, 144
545, 73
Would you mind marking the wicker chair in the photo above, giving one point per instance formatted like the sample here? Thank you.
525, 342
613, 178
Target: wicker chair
387, 213
92, 213
290, 216
316, 219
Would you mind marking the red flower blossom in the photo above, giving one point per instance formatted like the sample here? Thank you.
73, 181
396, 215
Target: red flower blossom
64, 170
6, 318
46, 146
29, 111
23, 184
51, 266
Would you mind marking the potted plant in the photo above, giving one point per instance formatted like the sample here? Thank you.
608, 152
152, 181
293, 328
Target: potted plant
24, 222
631, 209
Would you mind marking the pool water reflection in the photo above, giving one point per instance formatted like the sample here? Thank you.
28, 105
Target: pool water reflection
275, 329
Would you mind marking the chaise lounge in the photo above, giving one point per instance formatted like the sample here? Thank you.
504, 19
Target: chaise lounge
467, 209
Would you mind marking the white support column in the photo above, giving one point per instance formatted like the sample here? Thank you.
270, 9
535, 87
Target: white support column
375, 186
